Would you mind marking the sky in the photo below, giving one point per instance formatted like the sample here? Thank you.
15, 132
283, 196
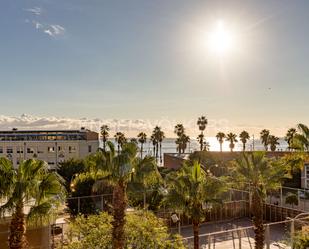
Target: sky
146, 62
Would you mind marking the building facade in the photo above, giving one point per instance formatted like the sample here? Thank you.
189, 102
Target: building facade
52, 146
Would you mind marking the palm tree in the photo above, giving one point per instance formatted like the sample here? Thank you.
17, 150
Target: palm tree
119, 170
262, 175
206, 146
184, 141
33, 185
265, 138
273, 142
192, 190
201, 122
220, 137
159, 136
302, 139
154, 143
244, 137
120, 139
289, 137
104, 134
142, 138
231, 137
200, 139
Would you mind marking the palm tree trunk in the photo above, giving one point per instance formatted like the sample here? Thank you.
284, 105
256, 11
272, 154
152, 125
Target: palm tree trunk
196, 234
120, 205
157, 150
104, 145
17, 238
244, 146
221, 147
141, 150
160, 152
257, 212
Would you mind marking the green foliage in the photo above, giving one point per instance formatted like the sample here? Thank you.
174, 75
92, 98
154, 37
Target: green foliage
69, 169
291, 199
33, 185
301, 240
261, 173
190, 188
142, 230
82, 186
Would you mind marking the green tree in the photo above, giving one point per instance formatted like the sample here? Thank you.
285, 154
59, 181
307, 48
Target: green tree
144, 176
158, 134
119, 170
289, 137
142, 138
182, 139
120, 140
232, 138
189, 190
264, 135
202, 123
104, 135
301, 140
179, 130
262, 175
31, 184
273, 142
142, 230
69, 169
244, 137
220, 137
154, 142
291, 199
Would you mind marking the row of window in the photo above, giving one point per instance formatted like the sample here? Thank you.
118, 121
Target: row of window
52, 149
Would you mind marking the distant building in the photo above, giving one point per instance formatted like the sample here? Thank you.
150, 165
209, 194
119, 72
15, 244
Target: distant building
52, 146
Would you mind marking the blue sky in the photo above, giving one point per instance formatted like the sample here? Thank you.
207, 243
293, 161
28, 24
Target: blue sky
144, 60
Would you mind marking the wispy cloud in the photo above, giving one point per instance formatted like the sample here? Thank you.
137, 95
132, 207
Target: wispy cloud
35, 10
52, 30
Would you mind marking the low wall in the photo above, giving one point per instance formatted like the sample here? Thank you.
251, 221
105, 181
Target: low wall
37, 238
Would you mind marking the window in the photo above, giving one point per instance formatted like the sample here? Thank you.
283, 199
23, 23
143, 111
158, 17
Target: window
1, 149
89, 148
51, 149
9, 150
30, 150
20, 150
51, 163
72, 149
40, 151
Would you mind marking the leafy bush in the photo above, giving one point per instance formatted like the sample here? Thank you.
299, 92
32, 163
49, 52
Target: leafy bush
142, 230
301, 240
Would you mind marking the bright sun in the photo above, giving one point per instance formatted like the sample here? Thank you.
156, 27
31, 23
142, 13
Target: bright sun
220, 40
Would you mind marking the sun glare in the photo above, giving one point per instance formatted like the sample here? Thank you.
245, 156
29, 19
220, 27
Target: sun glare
220, 40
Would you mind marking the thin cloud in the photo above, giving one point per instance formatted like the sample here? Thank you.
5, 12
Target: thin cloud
37, 25
54, 30
35, 10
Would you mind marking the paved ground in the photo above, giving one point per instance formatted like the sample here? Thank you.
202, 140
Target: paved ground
226, 240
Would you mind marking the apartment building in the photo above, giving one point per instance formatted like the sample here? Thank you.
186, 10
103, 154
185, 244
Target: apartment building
52, 146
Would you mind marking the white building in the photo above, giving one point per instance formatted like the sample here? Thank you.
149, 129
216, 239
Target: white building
52, 146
